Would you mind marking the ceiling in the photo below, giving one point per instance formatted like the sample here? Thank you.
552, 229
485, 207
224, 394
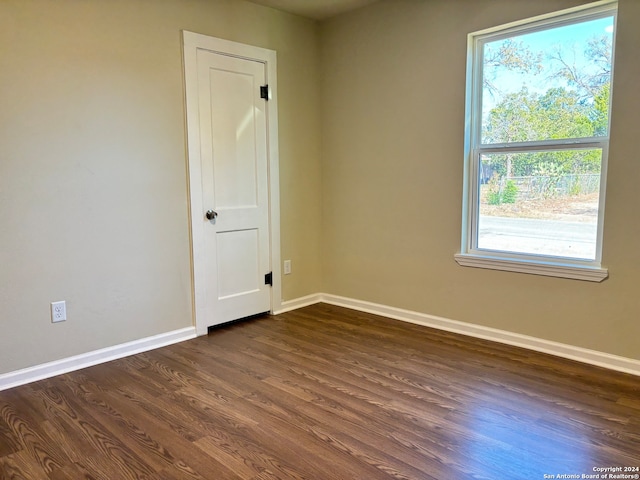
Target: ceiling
315, 9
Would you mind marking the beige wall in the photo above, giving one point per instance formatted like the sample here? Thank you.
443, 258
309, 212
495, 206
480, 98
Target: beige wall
93, 188
93, 185
393, 84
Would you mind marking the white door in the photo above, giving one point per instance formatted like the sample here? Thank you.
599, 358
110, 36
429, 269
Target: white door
234, 208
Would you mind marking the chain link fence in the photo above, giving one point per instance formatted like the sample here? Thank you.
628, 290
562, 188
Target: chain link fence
549, 186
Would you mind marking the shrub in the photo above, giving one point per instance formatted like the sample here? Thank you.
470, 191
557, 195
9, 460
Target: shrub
576, 187
497, 194
493, 198
510, 192
493, 190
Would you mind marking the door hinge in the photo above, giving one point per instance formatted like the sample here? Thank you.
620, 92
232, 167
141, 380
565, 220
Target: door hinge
264, 92
268, 279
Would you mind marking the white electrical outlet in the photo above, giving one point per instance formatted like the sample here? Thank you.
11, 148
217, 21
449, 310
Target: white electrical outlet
287, 267
58, 311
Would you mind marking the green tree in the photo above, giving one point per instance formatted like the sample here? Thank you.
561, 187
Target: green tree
587, 79
599, 114
578, 109
590, 80
508, 55
526, 116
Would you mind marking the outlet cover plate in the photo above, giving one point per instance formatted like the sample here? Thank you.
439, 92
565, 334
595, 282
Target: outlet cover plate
58, 311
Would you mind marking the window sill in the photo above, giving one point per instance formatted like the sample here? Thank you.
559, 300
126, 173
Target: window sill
577, 272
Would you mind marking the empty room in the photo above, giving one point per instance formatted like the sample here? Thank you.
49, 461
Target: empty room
319, 239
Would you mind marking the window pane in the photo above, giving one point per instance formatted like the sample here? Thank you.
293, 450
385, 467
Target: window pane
550, 84
541, 203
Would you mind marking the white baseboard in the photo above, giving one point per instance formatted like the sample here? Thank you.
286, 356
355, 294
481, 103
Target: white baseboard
65, 365
298, 303
592, 357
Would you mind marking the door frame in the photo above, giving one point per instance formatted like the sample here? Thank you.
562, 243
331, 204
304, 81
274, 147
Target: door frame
192, 42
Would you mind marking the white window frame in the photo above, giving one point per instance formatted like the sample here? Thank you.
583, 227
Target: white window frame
470, 255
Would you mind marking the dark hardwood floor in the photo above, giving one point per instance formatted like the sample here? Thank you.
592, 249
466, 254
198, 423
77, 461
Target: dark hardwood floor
324, 393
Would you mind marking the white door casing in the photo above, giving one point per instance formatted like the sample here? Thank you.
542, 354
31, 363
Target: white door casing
233, 171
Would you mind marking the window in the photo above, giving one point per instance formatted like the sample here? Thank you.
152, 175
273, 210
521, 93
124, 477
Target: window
536, 143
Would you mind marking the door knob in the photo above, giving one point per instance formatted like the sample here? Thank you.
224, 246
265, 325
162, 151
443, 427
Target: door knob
211, 214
